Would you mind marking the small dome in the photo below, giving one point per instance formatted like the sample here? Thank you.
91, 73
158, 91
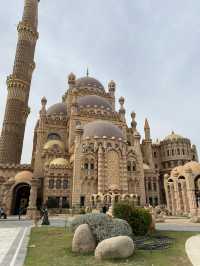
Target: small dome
89, 82
93, 100
24, 176
56, 109
60, 162
194, 166
50, 143
102, 128
173, 136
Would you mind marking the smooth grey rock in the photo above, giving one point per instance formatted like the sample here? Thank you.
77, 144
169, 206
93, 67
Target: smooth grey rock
83, 240
115, 248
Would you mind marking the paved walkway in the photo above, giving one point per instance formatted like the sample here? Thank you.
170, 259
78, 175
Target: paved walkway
13, 241
178, 225
192, 248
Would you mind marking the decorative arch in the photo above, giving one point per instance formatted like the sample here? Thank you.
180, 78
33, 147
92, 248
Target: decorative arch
20, 197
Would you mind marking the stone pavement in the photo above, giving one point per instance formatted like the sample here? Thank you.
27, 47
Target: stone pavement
178, 224
192, 248
13, 241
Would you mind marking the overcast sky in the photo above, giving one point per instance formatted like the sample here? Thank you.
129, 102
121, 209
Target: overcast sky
151, 48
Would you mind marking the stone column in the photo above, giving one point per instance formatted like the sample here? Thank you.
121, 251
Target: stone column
124, 181
32, 208
190, 191
173, 199
100, 170
185, 199
166, 176
176, 195
76, 191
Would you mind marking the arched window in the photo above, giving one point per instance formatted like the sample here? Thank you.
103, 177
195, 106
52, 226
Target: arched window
155, 154
129, 166
149, 186
53, 136
51, 183
58, 183
178, 151
86, 166
134, 167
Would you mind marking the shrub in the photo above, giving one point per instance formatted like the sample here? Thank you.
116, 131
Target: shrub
138, 218
102, 226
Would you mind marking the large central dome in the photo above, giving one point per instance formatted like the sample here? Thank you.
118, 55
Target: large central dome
94, 100
101, 128
89, 82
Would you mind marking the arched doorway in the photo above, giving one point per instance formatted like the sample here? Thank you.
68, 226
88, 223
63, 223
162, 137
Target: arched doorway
21, 195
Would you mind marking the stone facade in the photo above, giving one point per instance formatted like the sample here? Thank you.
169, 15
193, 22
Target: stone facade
182, 188
83, 148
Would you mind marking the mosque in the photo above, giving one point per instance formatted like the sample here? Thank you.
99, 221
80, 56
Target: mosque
83, 148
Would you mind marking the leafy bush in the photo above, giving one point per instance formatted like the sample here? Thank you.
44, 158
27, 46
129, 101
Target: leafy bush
138, 218
102, 226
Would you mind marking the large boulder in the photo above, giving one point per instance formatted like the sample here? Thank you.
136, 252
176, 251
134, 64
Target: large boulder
83, 240
102, 226
119, 247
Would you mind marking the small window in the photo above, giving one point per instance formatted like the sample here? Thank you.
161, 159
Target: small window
154, 186
178, 151
168, 153
156, 166
65, 183
172, 152
155, 154
92, 166
183, 151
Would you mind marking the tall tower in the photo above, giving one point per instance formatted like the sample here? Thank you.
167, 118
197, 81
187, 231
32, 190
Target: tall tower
18, 85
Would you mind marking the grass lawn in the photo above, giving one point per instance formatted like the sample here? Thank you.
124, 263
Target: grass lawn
50, 246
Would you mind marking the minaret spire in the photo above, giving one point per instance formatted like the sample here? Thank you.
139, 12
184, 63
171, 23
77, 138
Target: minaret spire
18, 84
147, 130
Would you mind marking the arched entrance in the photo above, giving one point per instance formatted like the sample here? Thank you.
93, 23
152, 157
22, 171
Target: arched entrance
21, 195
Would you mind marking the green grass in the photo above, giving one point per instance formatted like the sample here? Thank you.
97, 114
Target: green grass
50, 246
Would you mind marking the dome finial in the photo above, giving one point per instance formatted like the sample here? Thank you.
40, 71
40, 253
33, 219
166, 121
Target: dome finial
87, 73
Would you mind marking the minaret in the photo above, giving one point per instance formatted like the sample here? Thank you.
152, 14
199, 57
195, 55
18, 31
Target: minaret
18, 85
147, 145
147, 130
